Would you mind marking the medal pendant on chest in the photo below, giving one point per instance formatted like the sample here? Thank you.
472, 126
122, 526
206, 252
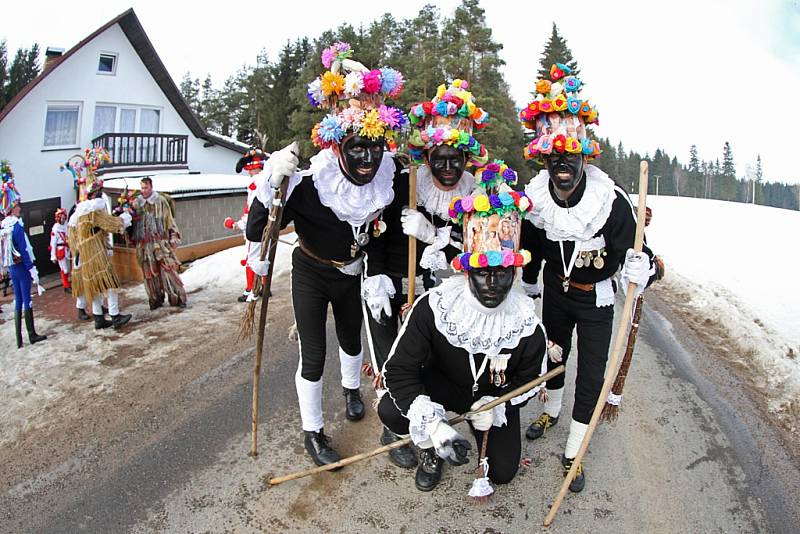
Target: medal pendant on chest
474, 388
599, 262
579, 261
354, 248
362, 239
565, 284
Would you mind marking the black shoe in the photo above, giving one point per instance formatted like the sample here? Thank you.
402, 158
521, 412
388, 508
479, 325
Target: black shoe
18, 328
538, 427
182, 304
83, 316
118, 321
353, 405
402, 456
577, 484
155, 306
33, 337
101, 322
429, 472
319, 447
243, 297
68, 290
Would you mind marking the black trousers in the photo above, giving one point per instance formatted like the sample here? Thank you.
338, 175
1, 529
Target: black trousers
383, 335
561, 314
314, 286
503, 448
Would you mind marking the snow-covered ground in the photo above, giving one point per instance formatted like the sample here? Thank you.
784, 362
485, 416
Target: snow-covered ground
76, 360
737, 265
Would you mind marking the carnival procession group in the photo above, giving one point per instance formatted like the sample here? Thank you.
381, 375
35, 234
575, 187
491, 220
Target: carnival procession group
473, 334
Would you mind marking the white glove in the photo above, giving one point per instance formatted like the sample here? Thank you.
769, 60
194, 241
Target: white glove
532, 290
415, 224
34, 275
126, 219
378, 304
636, 269
482, 420
261, 268
554, 352
449, 444
283, 164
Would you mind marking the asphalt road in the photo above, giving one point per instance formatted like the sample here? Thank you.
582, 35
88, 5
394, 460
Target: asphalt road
686, 455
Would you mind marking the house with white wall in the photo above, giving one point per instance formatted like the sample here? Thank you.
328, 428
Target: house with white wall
110, 90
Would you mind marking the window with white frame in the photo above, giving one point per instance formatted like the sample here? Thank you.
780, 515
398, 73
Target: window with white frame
61, 125
105, 120
107, 64
122, 118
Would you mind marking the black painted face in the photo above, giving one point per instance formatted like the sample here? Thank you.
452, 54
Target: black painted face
566, 170
447, 164
360, 158
490, 285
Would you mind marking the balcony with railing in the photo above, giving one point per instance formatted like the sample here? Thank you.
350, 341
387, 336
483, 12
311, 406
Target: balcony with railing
130, 151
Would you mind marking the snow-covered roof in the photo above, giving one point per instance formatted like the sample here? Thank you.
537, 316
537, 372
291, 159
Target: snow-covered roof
230, 140
185, 185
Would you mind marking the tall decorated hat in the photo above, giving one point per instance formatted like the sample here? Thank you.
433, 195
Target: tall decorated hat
354, 96
449, 118
491, 218
558, 116
9, 195
252, 160
83, 168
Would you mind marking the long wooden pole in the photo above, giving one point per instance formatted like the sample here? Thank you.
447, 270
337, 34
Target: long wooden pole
269, 245
412, 241
619, 343
394, 445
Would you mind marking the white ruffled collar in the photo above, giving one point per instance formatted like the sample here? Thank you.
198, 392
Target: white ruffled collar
576, 223
467, 324
433, 199
88, 206
10, 221
351, 203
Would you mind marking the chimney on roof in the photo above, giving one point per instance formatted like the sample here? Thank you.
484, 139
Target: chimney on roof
51, 54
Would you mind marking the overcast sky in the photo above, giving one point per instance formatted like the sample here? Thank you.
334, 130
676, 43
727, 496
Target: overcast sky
662, 74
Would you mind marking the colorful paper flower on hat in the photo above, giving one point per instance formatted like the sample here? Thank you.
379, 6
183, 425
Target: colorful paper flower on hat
450, 118
9, 194
355, 99
559, 95
336, 51
495, 173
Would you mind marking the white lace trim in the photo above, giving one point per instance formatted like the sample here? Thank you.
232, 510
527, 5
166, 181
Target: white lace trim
433, 199
379, 285
576, 223
423, 416
351, 203
468, 325
432, 256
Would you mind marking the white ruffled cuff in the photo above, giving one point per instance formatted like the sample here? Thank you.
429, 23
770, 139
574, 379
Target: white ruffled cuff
498, 412
423, 416
432, 256
378, 285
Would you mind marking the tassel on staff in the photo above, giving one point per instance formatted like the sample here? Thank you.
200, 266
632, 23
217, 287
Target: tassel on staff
481, 488
611, 409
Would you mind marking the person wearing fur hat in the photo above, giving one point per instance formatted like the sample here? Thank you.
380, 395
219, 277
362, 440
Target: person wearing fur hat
467, 341
59, 247
582, 226
92, 242
253, 163
336, 207
156, 237
16, 256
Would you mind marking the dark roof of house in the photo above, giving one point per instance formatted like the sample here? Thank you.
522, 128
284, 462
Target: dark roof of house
133, 30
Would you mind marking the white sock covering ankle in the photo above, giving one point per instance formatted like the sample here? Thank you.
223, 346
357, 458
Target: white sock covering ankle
552, 406
576, 432
351, 369
309, 395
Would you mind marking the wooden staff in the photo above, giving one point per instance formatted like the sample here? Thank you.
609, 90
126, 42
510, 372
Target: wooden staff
615, 354
611, 411
412, 241
269, 245
399, 443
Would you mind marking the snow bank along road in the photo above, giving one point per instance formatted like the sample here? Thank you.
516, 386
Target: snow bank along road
166, 448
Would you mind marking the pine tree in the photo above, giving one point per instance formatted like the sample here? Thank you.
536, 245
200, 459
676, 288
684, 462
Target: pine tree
3, 72
728, 168
556, 51
190, 90
23, 69
694, 162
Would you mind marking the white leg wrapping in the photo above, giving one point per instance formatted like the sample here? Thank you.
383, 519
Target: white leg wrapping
113, 303
576, 432
97, 305
309, 394
80, 303
351, 369
553, 405
253, 251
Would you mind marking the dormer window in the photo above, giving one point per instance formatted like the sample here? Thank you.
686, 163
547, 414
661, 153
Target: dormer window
107, 64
